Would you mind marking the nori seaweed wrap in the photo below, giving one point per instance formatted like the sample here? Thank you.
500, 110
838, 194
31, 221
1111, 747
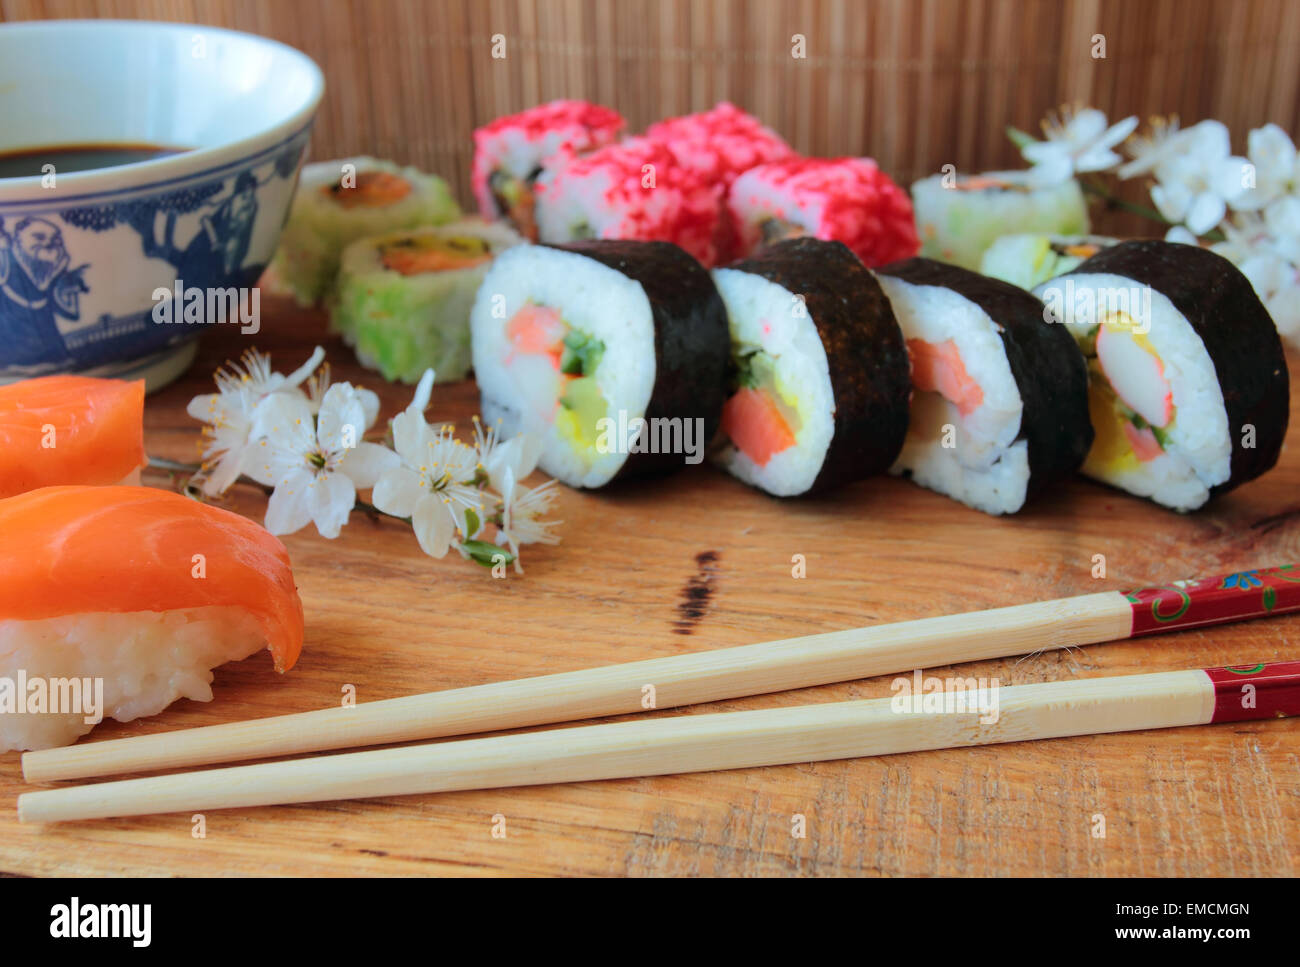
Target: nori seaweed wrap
615, 352
819, 388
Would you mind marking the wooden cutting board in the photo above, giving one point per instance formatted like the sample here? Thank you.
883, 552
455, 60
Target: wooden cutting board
697, 561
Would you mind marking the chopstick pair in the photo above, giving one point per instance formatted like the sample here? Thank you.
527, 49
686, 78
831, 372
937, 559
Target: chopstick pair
694, 743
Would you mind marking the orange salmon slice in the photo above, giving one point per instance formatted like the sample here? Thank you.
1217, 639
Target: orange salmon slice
755, 425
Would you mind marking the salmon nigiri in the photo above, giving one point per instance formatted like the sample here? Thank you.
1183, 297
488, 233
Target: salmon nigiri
120, 600
70, 430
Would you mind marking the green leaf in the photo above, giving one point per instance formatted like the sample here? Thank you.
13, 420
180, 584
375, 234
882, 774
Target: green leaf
472, 524
489, 555
1019, 138
1270, 599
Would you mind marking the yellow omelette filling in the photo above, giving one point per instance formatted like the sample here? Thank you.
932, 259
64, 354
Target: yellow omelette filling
1123, 439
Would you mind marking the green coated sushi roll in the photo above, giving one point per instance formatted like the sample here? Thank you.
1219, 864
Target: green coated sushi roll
403, 299
338, 202
959, 217
1030, 260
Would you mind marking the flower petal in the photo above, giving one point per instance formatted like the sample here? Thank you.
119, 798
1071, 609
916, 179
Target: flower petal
289, 508
332, 498
365, 462
397, 490
1205, 212
411, 437
342, 419
433, 525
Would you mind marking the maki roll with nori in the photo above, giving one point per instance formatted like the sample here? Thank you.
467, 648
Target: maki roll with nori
847, 200
402, 300
999, 395
1189, 392
613, 352
820, 387
510, 153
338, 202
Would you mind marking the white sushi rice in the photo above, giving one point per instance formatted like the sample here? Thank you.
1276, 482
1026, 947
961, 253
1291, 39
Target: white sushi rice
521, 390
1199, 451
957, 225
145, 659
764, 315
986, 467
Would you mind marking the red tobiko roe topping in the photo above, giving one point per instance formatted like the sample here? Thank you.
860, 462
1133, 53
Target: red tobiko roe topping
860, 205
676, 206
720, 143
557, 125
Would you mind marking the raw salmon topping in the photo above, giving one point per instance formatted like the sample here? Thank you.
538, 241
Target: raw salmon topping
938, 368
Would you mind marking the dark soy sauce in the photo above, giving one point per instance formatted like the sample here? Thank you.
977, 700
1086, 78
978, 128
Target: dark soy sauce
67, 158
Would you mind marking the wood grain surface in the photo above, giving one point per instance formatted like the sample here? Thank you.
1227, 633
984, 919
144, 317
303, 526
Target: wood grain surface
696, 561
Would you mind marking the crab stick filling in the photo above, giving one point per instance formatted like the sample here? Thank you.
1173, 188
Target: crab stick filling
555, 366
758, 418
418, 254
938, 368
1130, 401
368, 189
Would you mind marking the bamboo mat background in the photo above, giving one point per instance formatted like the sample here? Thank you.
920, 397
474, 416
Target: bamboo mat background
914, 83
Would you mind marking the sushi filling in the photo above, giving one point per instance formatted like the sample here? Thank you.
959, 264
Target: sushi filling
1130, 402
776, 229
369, 189
515, 199
417, 254
539, 333
761, 417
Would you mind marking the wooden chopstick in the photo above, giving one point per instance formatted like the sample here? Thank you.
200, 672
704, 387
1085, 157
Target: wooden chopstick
699, 677
701, 743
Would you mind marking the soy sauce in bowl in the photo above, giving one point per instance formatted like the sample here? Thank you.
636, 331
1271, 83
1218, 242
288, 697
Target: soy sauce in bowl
67, 158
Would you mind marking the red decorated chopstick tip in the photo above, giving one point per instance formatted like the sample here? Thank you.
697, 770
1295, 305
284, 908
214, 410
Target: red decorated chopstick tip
1215, 600
1243, 692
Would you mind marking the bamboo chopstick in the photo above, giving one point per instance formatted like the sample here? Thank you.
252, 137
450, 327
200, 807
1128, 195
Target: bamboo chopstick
700, 677
702, 743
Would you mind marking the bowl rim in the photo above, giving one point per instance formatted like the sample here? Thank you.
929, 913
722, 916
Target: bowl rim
187, 165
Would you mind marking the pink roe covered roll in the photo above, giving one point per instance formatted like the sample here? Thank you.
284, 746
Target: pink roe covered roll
634, 190
847, 200
510, 153
719, 145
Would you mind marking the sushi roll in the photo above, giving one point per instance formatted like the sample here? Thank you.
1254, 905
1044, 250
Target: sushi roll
718, 146
142, 590
338, 202
820, 386
1189, 391
959, 217
633, 190
403, 299
999, 396
70, 430
613, 352
847, 200
1030, 260
509, 154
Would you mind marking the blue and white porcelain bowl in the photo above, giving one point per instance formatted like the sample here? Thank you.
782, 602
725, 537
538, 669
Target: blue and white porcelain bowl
89, 258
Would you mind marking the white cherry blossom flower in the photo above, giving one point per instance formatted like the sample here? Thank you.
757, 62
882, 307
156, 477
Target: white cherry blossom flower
230, 415
1076, 141
432, 482
521, 512
1277, 168
1195, 186
1149, 151
317, 462
519, 454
